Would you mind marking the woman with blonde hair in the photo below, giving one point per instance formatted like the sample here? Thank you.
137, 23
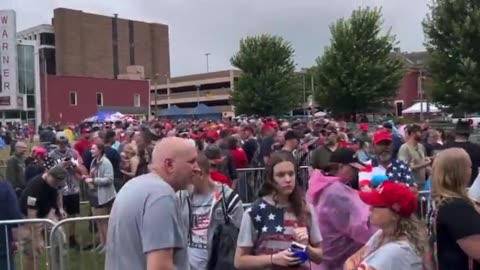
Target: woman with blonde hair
129, 163
401, 242
454, 224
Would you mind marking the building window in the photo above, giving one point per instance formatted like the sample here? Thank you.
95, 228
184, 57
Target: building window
73, 98
47, 39
12, 114
136, 100
399, 107
99, 99
30, 101
26, 69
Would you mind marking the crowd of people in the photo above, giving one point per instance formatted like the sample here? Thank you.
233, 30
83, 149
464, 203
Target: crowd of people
176, 198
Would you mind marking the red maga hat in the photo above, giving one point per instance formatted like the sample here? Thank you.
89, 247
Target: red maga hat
396, 196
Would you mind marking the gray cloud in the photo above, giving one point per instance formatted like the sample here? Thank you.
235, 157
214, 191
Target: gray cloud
216, 26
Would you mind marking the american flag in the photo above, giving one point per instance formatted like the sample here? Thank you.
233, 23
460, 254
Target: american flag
275, 228
267, 219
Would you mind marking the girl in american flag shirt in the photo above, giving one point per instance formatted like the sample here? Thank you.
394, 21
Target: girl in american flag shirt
279, 217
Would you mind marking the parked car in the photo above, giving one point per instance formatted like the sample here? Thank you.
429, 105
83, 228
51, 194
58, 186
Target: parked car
474, 118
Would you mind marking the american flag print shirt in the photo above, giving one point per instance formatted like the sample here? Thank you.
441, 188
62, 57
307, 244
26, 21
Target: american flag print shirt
274, 229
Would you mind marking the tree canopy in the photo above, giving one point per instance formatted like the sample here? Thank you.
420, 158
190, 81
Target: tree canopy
358, 71
452, 33
268, 84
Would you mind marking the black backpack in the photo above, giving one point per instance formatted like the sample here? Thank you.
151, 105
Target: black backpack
224, 240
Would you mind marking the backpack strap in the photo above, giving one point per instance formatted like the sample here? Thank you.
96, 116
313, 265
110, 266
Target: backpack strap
229, 203
224, 206
190, 212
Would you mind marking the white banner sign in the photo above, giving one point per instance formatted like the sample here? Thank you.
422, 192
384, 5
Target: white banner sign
8, 59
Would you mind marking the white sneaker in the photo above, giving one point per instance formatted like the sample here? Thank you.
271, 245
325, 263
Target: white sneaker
98, 248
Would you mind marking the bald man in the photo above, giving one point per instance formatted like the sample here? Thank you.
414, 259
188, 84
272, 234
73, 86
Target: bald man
145, 229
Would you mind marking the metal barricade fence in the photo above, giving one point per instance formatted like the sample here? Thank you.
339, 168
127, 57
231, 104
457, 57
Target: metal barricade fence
250, 181
86, 256
59, 256
27, 244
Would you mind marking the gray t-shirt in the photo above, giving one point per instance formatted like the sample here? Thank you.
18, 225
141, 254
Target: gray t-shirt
198, 247
398, 255
413, 157
145, 217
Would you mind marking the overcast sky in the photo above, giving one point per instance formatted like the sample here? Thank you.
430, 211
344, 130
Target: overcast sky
216, 26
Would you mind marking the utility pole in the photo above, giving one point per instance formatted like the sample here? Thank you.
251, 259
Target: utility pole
206, 56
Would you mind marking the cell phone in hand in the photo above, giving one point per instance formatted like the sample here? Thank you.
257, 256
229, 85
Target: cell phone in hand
299, 251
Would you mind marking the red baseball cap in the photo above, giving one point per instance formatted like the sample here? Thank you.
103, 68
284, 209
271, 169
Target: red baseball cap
86, 130
363, 126
382, 135
396, 196
212, 135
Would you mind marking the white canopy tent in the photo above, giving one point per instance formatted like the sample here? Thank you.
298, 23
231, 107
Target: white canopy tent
320, 114
417, 108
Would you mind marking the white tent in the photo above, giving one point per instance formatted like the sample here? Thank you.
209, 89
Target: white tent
417, 108
320, 114
91, 119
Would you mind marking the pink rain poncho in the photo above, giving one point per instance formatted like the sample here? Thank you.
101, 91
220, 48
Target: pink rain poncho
342, 217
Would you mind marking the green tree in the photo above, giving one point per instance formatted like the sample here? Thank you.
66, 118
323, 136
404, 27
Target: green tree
268, 84
452, 37
358, 72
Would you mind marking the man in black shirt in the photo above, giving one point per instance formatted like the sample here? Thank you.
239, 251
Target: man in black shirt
462, 133
40, 200
292, 141
250, 145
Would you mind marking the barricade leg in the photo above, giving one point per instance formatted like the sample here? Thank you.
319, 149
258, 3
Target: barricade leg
85, 257
27, 247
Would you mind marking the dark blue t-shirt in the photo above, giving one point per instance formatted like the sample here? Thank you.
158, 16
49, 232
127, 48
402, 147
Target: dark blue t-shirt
9, 209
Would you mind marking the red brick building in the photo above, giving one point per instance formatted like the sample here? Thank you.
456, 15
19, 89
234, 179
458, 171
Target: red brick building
71, 99
413, 82
97, 62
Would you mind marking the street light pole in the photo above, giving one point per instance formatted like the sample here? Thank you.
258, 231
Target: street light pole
198, 95
304, 95
156, 94
206, 56
313, 92
420, 89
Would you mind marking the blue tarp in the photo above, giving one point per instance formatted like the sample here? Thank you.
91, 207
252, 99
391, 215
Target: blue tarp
102, 115
205, 112
173, 111
201, 111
